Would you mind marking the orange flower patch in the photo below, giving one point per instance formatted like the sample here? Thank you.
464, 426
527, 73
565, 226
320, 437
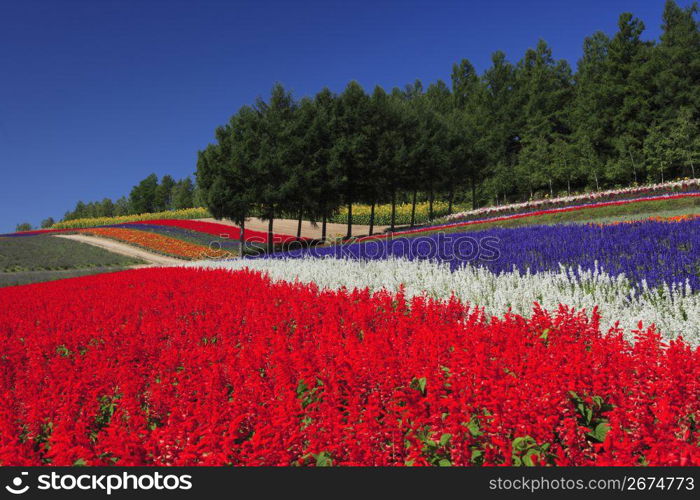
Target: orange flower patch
655, 218
158, 243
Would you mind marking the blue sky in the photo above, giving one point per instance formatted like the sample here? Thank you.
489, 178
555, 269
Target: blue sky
95, 95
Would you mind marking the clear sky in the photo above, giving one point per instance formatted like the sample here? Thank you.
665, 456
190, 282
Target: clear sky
97, 94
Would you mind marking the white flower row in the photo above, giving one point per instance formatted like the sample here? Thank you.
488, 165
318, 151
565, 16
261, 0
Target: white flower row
674, 310
569, 200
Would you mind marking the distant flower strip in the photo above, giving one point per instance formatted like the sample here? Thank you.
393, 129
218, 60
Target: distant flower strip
189, 367
528, 214
232, 232
675, 218
594, 197
158, 243
220, 230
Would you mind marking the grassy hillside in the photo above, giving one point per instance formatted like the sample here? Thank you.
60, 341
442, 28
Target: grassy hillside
27, 277
32, 259
48, 253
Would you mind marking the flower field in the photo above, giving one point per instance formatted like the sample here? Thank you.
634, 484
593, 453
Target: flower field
569, 344
157, 242
143, 367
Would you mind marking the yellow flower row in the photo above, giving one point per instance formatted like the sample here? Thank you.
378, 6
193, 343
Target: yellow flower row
185, 213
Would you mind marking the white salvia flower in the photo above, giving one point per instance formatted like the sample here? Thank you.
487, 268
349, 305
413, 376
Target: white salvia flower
674, 310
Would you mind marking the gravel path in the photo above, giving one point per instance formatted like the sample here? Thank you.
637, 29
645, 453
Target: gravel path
124, 249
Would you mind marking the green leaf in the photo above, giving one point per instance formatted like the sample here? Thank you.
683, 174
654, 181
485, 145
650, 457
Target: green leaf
444, 463
419, 384
444, 439
323, 459
601, 430
474, 427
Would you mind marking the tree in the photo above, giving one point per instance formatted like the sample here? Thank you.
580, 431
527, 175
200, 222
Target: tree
685, 139
23, 226
163, 194
592, 109
317, 186
225, 170
502, 121
563, 164
47, 223
389, 129
467, 131
658, 150
106, 208
629, 89
677, 62
182, 194
143, 196
350, 149
122, 206
273, 186
589, 158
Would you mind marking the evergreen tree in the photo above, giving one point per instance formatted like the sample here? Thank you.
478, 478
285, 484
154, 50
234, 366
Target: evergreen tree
272, 184
350, 151
182, 194
163, 194
677, 62
143, 195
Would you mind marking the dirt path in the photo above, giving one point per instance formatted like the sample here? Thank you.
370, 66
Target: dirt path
124, 249
289, 226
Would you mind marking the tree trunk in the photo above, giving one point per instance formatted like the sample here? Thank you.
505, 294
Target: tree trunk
393, 210
349, 235
430, 204
551, 192
371, 220
692, 169
301, 215
413, 208
270, 244
568, 186
473, 193
595, 175
241, 237
450, 197
323, 226
634, 166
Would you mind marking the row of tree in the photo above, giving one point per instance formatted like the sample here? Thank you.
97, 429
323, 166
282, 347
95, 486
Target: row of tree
629, 114
149, 195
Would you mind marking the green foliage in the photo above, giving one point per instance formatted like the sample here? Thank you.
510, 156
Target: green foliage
591, 413
47, 223
527, 452
517, 131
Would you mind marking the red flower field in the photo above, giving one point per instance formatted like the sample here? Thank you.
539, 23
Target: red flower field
193, 367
